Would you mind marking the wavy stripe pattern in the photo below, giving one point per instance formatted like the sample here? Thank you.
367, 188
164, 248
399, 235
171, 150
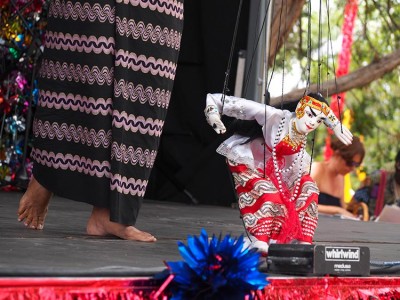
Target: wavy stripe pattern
153, 33
71, 162
133, 156
124, 185
80, 103
137, 123
131, 60
83, 12
79, 43
169, 7
77, 73
154, 97
77, 134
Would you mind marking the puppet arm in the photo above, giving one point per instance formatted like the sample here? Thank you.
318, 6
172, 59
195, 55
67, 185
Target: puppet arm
238, 108
213, 117
341, 132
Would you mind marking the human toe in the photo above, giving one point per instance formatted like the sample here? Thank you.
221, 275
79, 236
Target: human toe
152, 239
149, 238
34, 223
40, 223
22, 214
28, 222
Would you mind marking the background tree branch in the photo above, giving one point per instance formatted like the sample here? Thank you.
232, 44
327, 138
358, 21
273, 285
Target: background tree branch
359, 78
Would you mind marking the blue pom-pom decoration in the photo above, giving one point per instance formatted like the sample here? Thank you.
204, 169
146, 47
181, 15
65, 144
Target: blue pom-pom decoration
215, 268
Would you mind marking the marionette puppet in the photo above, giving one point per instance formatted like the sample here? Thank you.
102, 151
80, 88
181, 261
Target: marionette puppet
277, 197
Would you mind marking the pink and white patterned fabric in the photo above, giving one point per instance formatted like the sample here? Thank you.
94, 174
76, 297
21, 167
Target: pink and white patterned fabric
105, 82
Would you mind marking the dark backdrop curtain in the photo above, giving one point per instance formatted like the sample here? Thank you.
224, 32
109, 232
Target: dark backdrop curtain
187, 162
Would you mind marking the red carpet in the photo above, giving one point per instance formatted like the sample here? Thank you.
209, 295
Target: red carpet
146, 288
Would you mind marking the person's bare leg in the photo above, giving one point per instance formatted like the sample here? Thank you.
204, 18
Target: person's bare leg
99, 224
33, 205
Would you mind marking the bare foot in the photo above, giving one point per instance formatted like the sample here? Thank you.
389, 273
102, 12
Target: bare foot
99, 224
33, 205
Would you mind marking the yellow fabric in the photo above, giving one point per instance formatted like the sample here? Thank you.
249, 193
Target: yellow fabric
348, 191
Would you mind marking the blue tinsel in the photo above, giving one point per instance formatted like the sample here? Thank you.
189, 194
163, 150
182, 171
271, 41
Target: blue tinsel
215, 269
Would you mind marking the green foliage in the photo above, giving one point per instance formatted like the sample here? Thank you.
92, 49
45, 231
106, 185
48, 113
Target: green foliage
375, 107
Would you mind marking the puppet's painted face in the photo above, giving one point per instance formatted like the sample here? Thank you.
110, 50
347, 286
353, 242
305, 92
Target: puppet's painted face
310, 113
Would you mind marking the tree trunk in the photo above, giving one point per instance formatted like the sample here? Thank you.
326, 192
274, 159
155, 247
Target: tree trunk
357, 79
291, 11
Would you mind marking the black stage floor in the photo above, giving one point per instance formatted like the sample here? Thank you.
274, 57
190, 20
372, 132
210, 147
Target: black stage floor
64, 249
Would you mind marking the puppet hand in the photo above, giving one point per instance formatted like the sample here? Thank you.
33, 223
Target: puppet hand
214, 119
343, 134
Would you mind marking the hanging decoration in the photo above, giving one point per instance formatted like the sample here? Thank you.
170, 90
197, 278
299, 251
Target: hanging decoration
22, 24
338, 100
215, 268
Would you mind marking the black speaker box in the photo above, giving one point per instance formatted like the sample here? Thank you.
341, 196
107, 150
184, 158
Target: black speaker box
298, 259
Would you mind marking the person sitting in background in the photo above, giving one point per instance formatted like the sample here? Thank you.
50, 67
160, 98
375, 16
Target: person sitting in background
329, 176
381, 188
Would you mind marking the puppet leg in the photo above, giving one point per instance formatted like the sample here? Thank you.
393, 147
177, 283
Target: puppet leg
260, 205
307, 208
